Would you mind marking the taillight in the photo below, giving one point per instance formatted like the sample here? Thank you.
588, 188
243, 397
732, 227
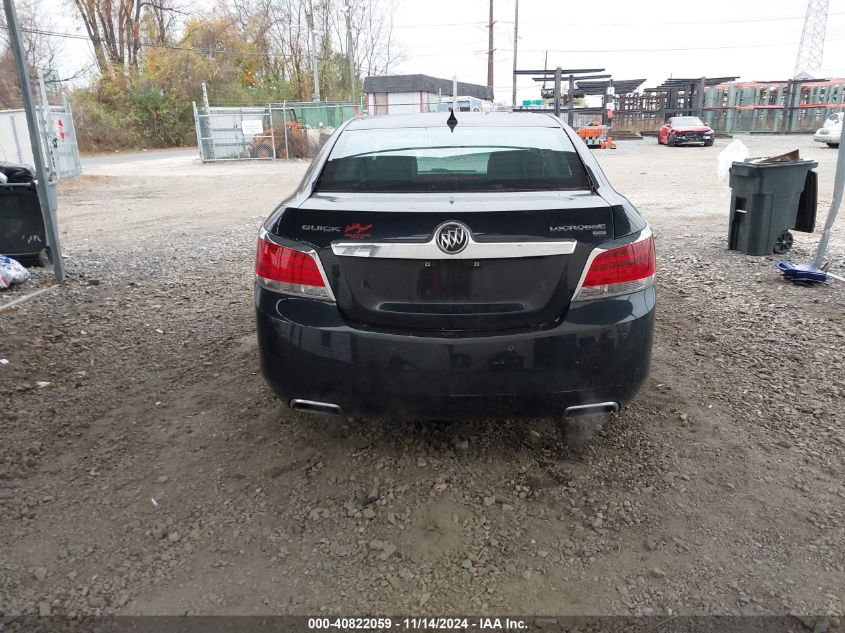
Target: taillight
619, 271
289, 271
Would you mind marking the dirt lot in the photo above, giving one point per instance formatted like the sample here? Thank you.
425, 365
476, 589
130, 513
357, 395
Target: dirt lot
146, 468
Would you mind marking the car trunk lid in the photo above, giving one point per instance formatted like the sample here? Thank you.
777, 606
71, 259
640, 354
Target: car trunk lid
527, 253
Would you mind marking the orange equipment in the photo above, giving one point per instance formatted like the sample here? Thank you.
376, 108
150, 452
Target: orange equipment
594, 134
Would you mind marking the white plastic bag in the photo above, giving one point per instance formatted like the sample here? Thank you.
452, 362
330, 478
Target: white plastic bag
11, 272
735, 152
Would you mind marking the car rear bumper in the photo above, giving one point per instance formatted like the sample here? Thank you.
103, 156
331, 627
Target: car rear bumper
599, 353
825, 138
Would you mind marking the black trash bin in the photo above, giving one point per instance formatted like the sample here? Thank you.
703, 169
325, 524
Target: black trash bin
764, 205
22, 233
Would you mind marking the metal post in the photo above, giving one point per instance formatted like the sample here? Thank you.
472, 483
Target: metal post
605, 120
570, 114
699, 97
207, 110
454, 93
44, 120
787, 103
42, 88
197, 129
734, 99
71, 132
14, 124
557, 91
285, 123
838, 186
272, 130
238, 136
515, 45
46, 186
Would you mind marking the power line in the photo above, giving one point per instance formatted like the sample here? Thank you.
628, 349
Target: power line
625, 50
437, 26
670, 49
104, 40
453, 45
740, 21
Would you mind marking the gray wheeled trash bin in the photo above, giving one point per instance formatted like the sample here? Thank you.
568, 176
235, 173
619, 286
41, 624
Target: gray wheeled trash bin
22, 233
764, 205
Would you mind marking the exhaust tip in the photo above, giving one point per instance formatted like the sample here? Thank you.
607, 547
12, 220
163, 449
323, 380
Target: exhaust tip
312, 406
595, 408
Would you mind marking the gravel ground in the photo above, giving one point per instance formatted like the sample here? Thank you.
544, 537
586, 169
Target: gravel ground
146, 468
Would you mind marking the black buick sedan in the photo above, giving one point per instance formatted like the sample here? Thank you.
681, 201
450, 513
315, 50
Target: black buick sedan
482, 266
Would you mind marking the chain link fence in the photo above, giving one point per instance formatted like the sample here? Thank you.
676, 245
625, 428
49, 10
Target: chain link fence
275, 131
58, 139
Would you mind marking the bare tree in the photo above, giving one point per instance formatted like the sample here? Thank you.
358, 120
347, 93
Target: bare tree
376, 50
42, 50
114, 28
256, 22
162, 20
288, 39
277, 34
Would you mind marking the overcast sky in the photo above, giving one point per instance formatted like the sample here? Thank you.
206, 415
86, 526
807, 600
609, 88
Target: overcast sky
755, 39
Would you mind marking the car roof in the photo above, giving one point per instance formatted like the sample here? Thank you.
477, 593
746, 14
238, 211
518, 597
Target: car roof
469, 119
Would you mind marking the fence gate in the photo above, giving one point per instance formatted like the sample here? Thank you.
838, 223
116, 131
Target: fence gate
61, 136
58, 139
276, 130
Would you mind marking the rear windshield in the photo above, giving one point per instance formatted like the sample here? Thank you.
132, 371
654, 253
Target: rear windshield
436, 159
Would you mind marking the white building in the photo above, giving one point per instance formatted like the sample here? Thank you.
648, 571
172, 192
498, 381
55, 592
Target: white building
408, 94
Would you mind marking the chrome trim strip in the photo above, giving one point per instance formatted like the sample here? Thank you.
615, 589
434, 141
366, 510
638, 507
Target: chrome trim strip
644, 235
473, 250
264, 234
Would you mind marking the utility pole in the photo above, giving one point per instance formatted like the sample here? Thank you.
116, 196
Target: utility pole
557, 90
349, 50
515, 44
490, 51
46, 185
310, 18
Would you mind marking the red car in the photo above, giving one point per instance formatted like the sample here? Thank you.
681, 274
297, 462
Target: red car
682, 130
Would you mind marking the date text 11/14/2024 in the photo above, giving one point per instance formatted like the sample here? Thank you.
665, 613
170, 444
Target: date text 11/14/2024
417, 624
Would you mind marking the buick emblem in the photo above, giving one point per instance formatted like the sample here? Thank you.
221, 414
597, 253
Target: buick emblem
452, 237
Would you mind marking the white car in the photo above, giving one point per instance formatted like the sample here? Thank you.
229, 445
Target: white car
831, 131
